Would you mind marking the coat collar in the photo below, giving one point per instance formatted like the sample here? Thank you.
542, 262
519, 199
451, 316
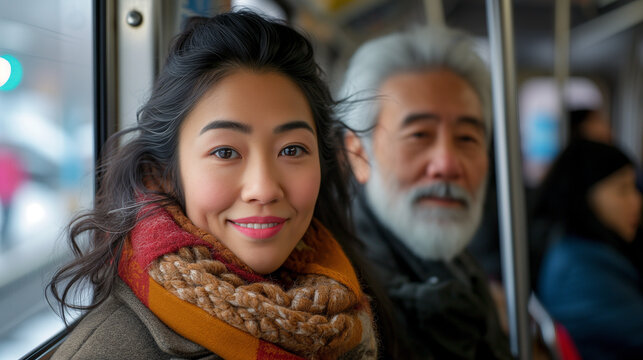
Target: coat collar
167, 340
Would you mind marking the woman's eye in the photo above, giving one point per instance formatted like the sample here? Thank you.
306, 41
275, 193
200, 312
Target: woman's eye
293, 150
225, 153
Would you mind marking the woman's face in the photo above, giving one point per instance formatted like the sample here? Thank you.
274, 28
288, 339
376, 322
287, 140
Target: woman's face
250, 167
617, 202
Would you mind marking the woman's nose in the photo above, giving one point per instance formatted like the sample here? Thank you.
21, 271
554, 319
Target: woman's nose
261, 183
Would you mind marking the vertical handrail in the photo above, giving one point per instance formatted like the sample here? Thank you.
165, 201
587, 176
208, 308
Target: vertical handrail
434, 12
509, 175
101, 128
105, 106
561, 64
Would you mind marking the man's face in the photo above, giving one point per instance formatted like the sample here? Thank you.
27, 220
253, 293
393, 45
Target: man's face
428, 162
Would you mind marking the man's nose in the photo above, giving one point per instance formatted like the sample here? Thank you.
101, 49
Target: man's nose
444, 163
261, 183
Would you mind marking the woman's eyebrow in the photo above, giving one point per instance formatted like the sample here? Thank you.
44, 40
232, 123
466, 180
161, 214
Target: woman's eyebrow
297, 124
226, 124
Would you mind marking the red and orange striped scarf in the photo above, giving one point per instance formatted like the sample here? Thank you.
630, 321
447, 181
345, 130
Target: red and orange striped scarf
312, 307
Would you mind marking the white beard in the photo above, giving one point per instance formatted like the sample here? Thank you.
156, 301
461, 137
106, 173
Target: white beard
430, 232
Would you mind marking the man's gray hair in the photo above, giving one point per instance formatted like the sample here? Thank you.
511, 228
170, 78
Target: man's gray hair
416, 50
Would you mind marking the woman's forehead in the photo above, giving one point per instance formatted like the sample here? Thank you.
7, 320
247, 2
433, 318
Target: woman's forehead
259, 100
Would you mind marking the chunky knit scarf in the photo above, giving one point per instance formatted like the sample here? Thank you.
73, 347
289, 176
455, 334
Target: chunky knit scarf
312, 307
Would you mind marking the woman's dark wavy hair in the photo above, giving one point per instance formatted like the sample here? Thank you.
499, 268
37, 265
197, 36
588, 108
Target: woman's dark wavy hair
204, 53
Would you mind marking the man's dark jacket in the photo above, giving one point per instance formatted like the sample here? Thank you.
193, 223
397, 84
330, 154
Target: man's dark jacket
444, 310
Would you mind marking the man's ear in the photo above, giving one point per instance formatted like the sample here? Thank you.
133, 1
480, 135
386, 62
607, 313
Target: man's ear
357, 157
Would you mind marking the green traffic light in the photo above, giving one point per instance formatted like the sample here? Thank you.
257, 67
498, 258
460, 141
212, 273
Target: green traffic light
10, 72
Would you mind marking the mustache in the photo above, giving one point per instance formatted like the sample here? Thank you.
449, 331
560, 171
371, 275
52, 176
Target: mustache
442, 189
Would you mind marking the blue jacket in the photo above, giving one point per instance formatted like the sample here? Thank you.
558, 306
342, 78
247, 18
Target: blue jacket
595, 292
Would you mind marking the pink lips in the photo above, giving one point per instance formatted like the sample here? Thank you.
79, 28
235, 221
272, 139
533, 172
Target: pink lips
259, 227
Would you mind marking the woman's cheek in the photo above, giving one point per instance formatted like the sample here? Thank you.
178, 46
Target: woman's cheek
304, 186
207, 195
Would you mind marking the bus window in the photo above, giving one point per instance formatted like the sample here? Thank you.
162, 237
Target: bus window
46, 156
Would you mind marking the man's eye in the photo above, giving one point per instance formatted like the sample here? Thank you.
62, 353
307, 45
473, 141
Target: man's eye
467, 138
225, 153
293, 150
420, 134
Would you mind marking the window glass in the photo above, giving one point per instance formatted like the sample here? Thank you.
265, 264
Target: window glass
46, 155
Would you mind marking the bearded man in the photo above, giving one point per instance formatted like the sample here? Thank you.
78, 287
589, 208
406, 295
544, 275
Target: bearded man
419, 107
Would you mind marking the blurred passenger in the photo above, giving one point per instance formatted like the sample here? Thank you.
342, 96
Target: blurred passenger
591, 279
420, 154
589, 124
220, 228
12, 176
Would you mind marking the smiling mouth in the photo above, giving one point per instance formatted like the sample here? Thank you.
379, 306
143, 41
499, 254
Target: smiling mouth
256, 225
259, 227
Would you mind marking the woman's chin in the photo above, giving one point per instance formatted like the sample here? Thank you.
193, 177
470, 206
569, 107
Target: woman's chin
263, 267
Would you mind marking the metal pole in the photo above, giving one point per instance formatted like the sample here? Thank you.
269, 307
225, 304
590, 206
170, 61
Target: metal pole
101, 84
561, 64
629, 118
602, 27
434, 12
509, 175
